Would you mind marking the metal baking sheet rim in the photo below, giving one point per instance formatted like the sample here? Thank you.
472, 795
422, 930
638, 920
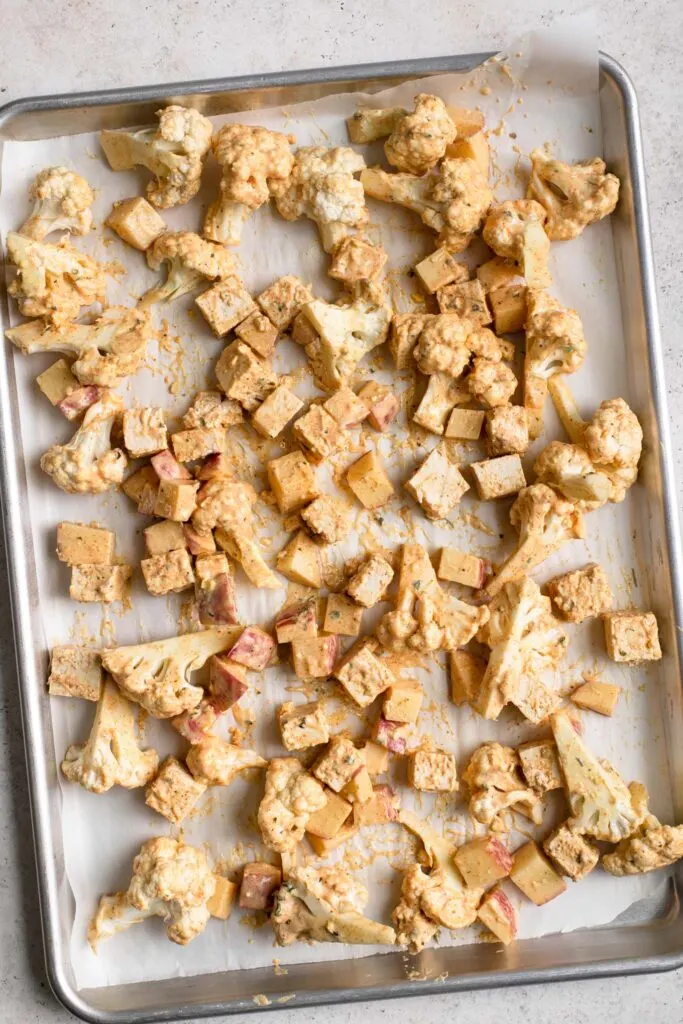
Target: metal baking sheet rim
20, 567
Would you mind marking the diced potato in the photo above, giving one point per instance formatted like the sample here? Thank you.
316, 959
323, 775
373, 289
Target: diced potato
459, 567
467, 299
144, 431
297, 622
302, 725
498, 478
346, 408
162, 537
363, 675
318, 433
293, 482
275, 412
358, 790
354, 259
190, 445
432, 771
57, 382
369, 584
259, 882
599, 697
302, 330
327, 518
507, 430
327, 822
468, 122
466, 672
369, 481
338, 763
439, 269
85, 545
142, 488
483, 861
174, 791
258, 333
342, 616
438, 485
136, 222
76, 402
476, 148
392, 735
283, 300
375, 756
382, 809
221, 903
324, 847
208, 567
498, 915
406, 328
540, 765
383, 405
632, 637
535, 253
95, 583
254, 649
168, 573
198, 544
176, 499
402, 701
225, 305
314, 658
465, 424
506, 291
244, 376
581, 594
535, 876
299, 561
75, 672
572, 854
442, 394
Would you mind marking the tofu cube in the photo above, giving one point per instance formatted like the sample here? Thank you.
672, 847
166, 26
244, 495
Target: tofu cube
376, 757
259, 882
392, 735
573, 855
244, 376
369, 482
225, 305
292, 480
439, 269
432, 771
402, 701
221, 903
75, 672
380, 810
369, 584
438, 485
346, 408
507, 430
254, 649
299, 560
406, 329
363, 675
356, 260
174, 791
283, 300
465, 424
57, 382
142, 488
459, 567
483, 861
498, 915
275, 412
302, 330
258, 333
338, 764
599, 697
302, 726
163, 537
136, 222
211, 411
506, 291
342, 616
383, 405
540, 765
466, 675
176, 499
358, 790
85, 545
476, 148
498, 478
533, 874
327, 518
327, 822
95, 583
318, 433
190, 445
314, 658
442, 394
581, 594
467, 299
144, 431
632, 637
297, 622
168, 573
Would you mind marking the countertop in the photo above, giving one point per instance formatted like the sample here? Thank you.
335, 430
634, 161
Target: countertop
86, 44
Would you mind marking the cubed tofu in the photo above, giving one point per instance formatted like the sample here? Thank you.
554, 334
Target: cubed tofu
297, 622
498, 915
302, 725
275, 412
165, 536
533, 874
346, 408
355, 259
476, 148
392, 735
632, 637
78, 544
342, 616
314, 658
176, 499
432, 771
244, 376
190, 445
225, 305
258, 333
383, 808
363, 675
573, 855
254, 649
318, 433
369, 584
75, 672
383, 405
465, 424
283, 300
174, 791
442, 394
57, 382
506, 291
439, 269
142, 488
168, 573
144, 431
338, 763
302, 330
466, 674
358, 790
459, 567
292, 480
406, 328
483, 861
328, 518
467, 299
259, 882
540, 765
221, 903
507, 430
299, 560
402, 701
369, 482
211, 411
95, 583
581, 594
376, 757
498, 478
438, 485
599, 697
327, 822
136, 222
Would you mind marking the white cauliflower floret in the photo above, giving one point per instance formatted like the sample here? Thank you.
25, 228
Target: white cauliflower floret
419, 140
491, 383
448, 342
602, 805
545, 521
555, 344
503, 229
61, 202
174, 152
88, 464
525, 640
346, 334
299, 914
291, 797
322, 187
336, 890
494, 777
111, 756
650, 847
108, 349
156, 675
567, 469
53, 281
251, 159
191, 262
574, 195
216, 763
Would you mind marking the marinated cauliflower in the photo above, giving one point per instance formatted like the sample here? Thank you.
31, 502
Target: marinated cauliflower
88, 464
447, 343
191, 261
346, 334
574, 195
495, 781
61, 202
216, 763
419, 140
291, 797
515, 231
555, 343
650, 847
335, 889
300, 915
569, 471
491, 383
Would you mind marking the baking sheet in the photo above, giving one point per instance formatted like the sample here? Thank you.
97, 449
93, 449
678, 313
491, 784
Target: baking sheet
545, 92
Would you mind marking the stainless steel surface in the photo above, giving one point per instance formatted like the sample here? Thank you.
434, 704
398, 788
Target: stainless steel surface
646, 945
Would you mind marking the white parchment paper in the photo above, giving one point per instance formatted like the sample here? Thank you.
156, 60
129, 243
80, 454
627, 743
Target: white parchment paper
545, 90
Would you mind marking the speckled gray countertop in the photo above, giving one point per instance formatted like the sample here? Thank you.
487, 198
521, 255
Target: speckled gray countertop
87, 44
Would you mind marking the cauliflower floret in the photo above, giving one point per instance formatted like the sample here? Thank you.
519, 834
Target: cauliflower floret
322, 187
494, 777
567, 469
503, 229
174, 152
346, 334
298, 914
419, 140
251, 159
111, 756
191, 261
545, 521
62, 201
53, 281
650, 847
156, 675
88, 464
216, 763
574, 195
555, 344
491, 383
448, 341
108, 349
525, 640
413, 928
291, 797
337, 891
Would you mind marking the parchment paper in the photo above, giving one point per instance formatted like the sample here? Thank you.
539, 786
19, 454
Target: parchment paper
545, 90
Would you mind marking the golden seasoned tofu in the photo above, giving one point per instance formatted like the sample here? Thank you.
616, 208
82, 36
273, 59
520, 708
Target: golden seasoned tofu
225, 305
355, 259
144, 431
342, 616
467, 299
535, 876
168, 573
244, 376
165, 536
540, 765
466, 674
465, 424
345, 406
338, 763
498, 478
293, 482
362, 674
432, 771
506, 291
368, 585
283, 300
507, 430
191, 445
94, 583
314, 657
460, 567
136, 222
632, 637
440, 268
299, 560
176, 499
327, 822
302, 725
327, 518
572, 854
174, 791
369, 482
402, 701
581, 594
75, 672
438, 485
78, 544
258, 333
275, 412
318, 433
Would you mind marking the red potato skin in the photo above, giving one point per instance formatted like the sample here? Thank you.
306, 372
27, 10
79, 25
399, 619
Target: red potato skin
167, 467
259, 882
299, 613
254, 649
75, 404
389, 801
197, 543
216, 602
214, 465
505, 907
384, 412
385, 734
500, 855
226, 684
195, 725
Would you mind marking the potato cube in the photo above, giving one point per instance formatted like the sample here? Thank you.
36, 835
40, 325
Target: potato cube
167, 467
498, 478
465, 424
506, 291
599, 697
440, 268
314, 658
57, 382
581, 594
358, 790
573, 855
535, 876
176, 499
432, 771
476, 148
283, 300
369, 584
296, 622
406, 328
354, 259
174, 791
275, 412
327, 822
338, 763
221, 903
244, 376
376, 757
498, 915
327, 518
632, 637
209, 566
144, 431
467, 122
318, 433
142, 488
466, 674
162, 537
197, 543
507, 430
190, 445
402, 701
136, 222
535, 253
293, 482
392, 735
380, 810
258, 333
225, 305
342, 616
438, 485
75, 672
483, 861
540, 765
85, 545
324, 847
467, 299
346, 408
95, 583
363, 675
299, 560
369, 482
302, 725
302, 330
259, 882
168, 573
383, 405
371, 123
76, 402
254, 649
459, 567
